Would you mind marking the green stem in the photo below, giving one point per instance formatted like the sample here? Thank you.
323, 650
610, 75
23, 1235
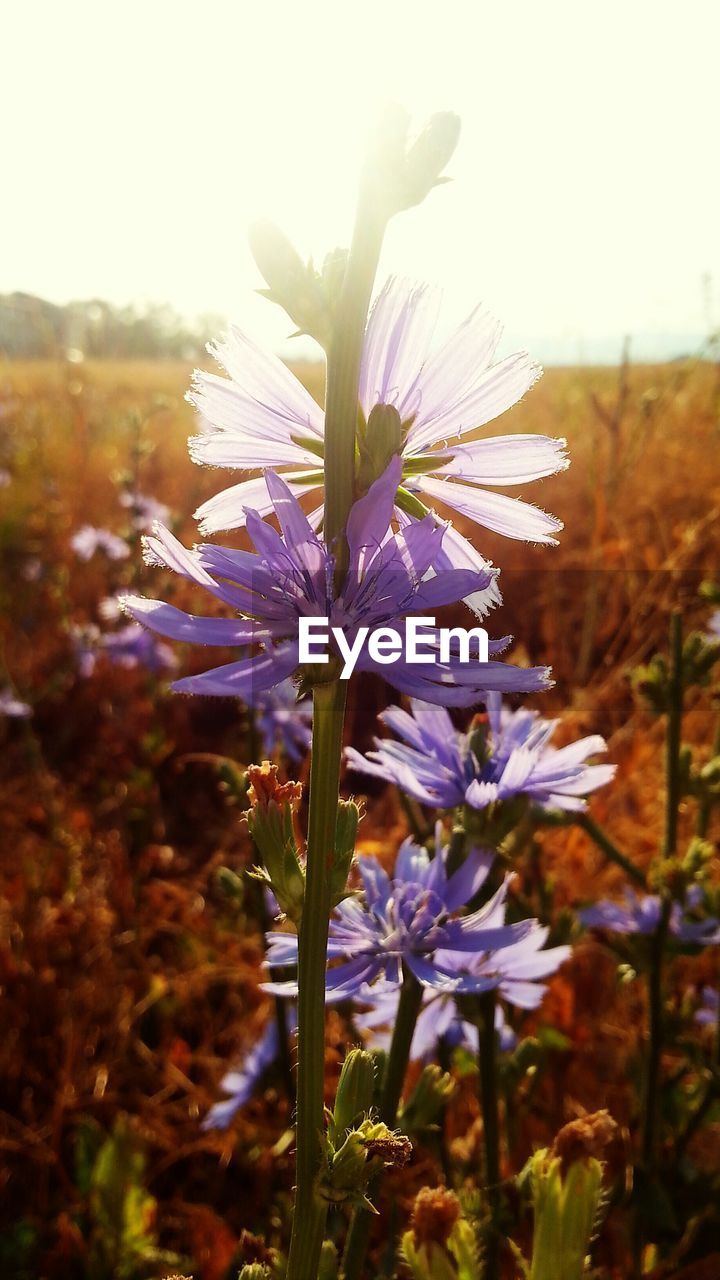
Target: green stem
674, 729
310, 1211
343, 369
411, 994
611, 851
487, 1062
706, 804
409, 1004
655, 1016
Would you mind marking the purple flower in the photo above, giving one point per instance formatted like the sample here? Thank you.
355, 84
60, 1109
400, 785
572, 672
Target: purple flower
12, 707
284, 723
439, 1020
412, 920
508, 756
131, 646
714, 626
87, 540
263, 417
707, 1014
291, 576
145, 510
517, 972
241, 1082
640, 914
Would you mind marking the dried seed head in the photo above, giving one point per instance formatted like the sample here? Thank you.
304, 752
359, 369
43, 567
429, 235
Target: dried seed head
435, 1212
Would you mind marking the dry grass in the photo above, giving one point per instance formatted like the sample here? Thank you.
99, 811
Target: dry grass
128, 978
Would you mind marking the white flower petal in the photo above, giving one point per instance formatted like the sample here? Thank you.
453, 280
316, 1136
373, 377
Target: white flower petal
515, 459
509, 516
490, 394
226, 510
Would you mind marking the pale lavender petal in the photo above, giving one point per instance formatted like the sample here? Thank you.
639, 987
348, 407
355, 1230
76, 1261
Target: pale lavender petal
227, 509
246, 678
176, 625
509, 516
495, 390
507, 460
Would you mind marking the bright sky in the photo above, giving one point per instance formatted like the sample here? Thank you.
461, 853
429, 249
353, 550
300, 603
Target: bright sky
141, 139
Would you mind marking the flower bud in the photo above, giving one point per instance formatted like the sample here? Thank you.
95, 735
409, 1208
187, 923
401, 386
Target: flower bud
396, 176
378, 443
428, 156
272, 825
293, 285
354, 1096
348, 817
348, 1167
566, 1187
328, 1269
431, 1094
440, 1244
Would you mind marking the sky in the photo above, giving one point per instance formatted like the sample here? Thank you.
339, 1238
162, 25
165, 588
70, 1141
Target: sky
141, 139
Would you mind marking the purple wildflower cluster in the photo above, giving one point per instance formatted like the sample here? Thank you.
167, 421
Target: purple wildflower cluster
284, 722
88, 539
641, 913
419, 920
290, 575
507, 755
129, 646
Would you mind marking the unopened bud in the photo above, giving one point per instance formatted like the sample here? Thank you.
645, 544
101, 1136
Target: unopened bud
378, 444
272, 825
428, 156
354, 1096
348, 817
292, 284
566, 1187
428, 1099
441, 1243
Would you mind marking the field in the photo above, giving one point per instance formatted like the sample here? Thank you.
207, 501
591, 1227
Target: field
130, 961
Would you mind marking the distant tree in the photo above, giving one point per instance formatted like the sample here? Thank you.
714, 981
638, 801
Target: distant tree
32, 327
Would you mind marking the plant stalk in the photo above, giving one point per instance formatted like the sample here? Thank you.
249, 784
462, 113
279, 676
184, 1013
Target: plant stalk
674, 730
609, 848
310, 1211
487, 1063
409, 1004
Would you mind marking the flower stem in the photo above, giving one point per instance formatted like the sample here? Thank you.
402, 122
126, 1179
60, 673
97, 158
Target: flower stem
411, 994
674, 729
706, 804
310, 1211
409, 1004
343, 368
655, 1016
487, 1062
606, 846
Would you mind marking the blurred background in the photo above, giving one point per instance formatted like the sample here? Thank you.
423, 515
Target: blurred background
139, 143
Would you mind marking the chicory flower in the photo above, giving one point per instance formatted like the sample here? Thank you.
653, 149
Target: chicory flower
518, 970
283, 722
242, 1080
87, 540
641, 913
262, 416
412, 920
507, 755
291, 576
